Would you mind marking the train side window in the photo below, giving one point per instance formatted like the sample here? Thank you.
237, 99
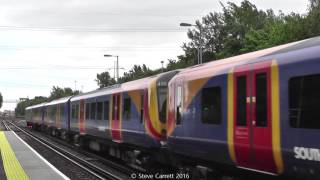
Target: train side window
304, 98
241, 101
53, 112
127, 108
211, 105
99, 110
114, 107
261, 100
77, 111
93, 110
48, 113
106, 110
61, 110
73, 111
87, 110
179, 104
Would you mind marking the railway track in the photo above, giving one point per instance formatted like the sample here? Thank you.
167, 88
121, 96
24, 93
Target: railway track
4, 125
84, 164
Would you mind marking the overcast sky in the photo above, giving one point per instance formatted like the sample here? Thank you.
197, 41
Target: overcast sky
45, 43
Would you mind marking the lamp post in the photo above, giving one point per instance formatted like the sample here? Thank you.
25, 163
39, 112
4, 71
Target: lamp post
162, 66
75, 85
200, 40
117, 64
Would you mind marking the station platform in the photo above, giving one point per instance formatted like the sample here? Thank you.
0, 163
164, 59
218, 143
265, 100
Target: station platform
18, 161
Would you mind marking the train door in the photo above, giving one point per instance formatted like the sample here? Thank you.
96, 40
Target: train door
115, 119
82, 117
253, 121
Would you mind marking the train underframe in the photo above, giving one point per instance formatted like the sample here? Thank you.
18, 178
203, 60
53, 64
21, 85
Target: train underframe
154, 160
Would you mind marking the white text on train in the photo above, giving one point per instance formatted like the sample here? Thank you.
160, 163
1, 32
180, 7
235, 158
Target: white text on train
303, 153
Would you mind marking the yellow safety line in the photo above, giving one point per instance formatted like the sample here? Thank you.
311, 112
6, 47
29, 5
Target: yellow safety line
12, 167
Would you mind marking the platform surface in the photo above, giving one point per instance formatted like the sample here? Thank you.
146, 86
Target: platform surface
19, 161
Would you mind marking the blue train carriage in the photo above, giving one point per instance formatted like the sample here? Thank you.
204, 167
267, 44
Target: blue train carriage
90, 115
34, 116
258, 111
299, 97
122, 116
56, 117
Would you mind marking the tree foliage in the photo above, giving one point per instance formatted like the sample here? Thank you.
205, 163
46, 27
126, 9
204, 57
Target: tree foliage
56, 93
236, 30
137, 72
21, 106
244, 28
104, 79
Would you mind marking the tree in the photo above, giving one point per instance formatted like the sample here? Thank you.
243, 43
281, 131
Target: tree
312, 22
1, 99
104, 79
21, 106
223, 34
138, 72
236, 30
57, 92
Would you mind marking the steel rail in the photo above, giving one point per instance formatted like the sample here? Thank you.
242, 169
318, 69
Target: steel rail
85, 165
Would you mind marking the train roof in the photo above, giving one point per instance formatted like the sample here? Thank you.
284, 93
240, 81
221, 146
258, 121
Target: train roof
58, 101
223, 65
192, 73
127, 86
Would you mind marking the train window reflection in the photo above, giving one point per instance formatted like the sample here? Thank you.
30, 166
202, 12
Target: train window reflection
77, 111
62, 110
304, 98
99, 110
211, 105
93, 111
87, 110
73, 111
106, 110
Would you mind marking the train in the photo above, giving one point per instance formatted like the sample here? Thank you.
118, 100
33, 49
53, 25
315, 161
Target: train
256, 112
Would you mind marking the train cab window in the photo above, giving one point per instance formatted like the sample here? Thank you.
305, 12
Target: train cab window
241, 101
106, 110
99, 110
178, 104
261, 100
127, 108
142, 109
211, 105
162, 90
87, 110
93, 111
304, 98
